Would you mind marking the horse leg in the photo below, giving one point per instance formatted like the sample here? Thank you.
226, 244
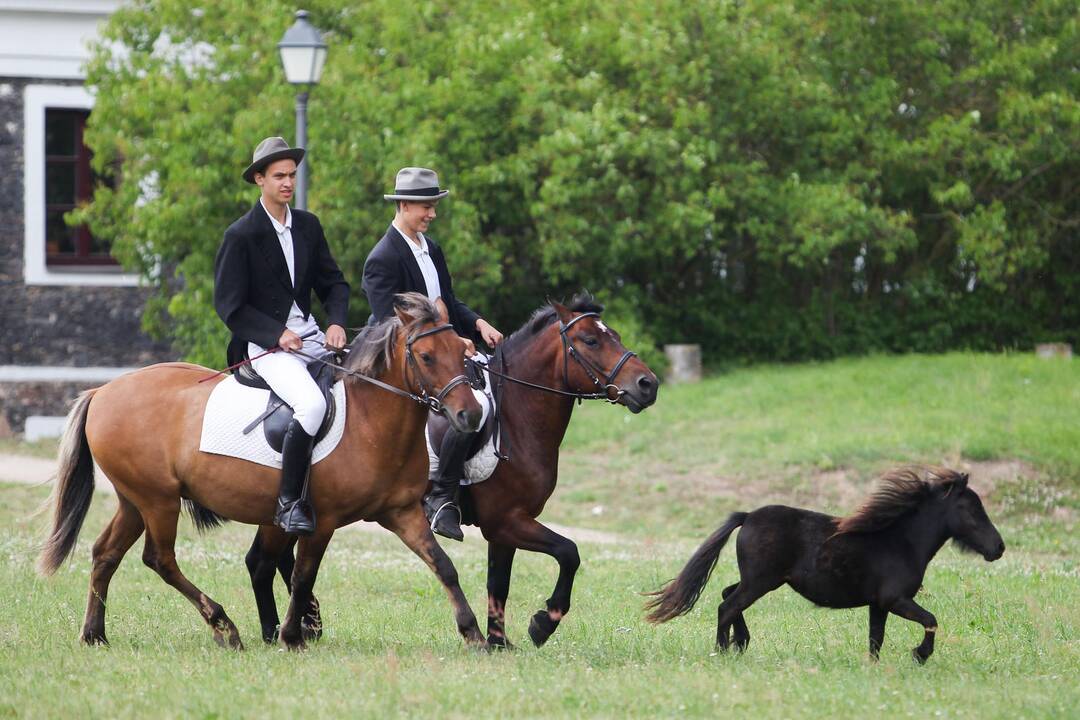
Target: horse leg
878, 616
109, 549
412, 527
311, 622
742, 633
500, 562
308, 558
160, 554
730, 611
528, 534
908, 609
262, 560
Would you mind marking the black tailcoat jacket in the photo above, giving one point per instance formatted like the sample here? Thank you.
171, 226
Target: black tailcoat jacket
252, 289
391, 268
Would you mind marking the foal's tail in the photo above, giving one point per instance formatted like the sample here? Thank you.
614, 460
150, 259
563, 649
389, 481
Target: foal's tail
74, 488
679, 595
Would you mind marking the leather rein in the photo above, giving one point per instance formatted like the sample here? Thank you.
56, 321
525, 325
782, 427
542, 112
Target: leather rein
426, 397
569, 351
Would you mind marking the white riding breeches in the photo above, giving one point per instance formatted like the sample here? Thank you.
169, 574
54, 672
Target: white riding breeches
287, 374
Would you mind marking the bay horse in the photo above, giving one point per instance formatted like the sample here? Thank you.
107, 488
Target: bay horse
875, 557
561, 354
143, 429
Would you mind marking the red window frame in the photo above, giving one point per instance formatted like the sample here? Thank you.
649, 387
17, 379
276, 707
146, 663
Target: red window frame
83, 179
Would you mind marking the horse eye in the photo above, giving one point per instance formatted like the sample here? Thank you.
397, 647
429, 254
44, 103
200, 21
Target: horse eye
426, 358
590, 341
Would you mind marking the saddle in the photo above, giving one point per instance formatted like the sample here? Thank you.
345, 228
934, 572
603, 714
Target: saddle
275, 420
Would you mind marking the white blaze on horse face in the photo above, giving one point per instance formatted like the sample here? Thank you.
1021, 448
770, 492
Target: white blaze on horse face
603, 328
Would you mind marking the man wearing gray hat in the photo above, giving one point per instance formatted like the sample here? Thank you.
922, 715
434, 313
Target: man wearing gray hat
406, 260
269, 262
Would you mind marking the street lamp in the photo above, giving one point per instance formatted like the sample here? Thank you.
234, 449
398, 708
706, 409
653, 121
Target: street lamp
303, 54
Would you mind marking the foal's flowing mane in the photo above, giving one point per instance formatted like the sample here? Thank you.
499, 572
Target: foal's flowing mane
545, 315
897, 492
373, 348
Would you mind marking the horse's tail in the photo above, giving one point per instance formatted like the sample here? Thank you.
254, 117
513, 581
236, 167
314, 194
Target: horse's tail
204, 518
73, 490
679, 595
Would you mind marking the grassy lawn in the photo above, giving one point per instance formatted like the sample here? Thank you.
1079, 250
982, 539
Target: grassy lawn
813, 435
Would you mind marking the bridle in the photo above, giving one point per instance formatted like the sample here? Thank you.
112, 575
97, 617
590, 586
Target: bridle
594, 373
426, 397
606, 385
435, 402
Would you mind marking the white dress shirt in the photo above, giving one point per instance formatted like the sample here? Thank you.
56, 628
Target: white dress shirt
298, 322
423, 259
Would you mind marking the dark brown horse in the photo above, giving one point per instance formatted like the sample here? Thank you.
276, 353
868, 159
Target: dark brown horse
560, 355
876, 556
143, 429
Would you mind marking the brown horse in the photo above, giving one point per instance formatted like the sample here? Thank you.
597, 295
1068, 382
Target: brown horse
560, 355
143, 430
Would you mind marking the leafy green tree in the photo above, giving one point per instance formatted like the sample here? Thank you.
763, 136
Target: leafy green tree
776, 181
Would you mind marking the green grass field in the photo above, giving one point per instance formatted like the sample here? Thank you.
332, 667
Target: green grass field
812, 435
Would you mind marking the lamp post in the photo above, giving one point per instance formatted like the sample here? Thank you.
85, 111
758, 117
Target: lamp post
303, 54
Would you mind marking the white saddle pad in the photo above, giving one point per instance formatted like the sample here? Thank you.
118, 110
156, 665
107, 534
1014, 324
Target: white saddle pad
233, 406
480, 466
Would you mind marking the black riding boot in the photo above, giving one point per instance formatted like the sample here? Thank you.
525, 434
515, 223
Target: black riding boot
442, 513
294, 514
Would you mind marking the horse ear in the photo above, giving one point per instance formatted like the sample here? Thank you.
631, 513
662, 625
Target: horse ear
962, 480
565, 315
405, 318
444, 312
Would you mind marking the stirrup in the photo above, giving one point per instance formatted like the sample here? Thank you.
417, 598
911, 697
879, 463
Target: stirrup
295, 517
444, 532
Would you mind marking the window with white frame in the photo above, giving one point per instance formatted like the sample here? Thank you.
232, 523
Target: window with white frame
58, 178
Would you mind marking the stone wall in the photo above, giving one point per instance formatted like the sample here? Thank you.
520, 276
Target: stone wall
73, 326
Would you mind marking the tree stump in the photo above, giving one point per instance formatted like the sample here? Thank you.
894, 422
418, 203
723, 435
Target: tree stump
684, 363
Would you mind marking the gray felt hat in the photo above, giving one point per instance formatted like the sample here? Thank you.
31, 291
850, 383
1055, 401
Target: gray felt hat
269, 150
417, 184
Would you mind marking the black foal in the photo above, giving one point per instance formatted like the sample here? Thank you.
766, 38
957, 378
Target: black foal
876, 556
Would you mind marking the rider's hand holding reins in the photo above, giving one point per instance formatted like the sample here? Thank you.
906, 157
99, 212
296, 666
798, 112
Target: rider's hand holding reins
488, 333
335, 337
290, 341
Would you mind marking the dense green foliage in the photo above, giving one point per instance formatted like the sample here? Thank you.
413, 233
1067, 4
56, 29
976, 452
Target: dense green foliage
772, 180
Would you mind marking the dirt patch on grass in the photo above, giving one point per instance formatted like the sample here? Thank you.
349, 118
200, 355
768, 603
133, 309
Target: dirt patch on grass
836, 490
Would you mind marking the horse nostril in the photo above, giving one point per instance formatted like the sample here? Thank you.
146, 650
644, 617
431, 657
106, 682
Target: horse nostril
645, 383
1001, 548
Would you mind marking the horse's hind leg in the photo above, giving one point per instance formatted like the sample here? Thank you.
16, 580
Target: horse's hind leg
742, 633
311, 620
262, 561
528, 534
160, 555
411, 526
742, 596
111, 546
500, 563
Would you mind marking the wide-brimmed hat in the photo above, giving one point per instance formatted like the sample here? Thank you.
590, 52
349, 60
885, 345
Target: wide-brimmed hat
416, 184
269, 150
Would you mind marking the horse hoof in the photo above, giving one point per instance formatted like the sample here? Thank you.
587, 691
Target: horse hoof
919, 657
293, 644
498, 642
94, 639
311, 629
541, 627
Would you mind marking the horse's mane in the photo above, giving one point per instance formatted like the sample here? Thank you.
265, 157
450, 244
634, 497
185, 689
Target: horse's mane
373, 348
897, 492
545, 315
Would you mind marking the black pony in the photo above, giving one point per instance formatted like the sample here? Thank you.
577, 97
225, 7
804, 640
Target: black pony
876, 556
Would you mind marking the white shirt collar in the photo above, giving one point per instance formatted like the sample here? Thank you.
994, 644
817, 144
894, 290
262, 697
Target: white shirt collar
278, 226
422, 249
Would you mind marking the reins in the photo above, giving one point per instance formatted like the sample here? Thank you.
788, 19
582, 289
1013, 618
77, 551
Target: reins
433, 402
569, 351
